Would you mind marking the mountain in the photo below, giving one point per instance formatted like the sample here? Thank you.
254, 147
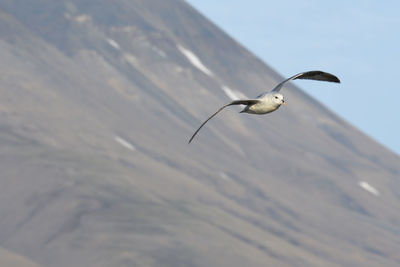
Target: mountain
98, 101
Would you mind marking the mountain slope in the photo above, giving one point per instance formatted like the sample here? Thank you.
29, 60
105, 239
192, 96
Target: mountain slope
98, 101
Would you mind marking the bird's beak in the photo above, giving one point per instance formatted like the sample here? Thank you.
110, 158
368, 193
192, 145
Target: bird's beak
283, 103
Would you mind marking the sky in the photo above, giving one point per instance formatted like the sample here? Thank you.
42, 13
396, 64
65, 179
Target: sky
358, 41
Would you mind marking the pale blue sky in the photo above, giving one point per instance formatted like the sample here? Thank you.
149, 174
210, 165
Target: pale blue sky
357, 40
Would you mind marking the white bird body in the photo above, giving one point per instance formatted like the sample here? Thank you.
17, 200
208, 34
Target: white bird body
267, 103
271, 101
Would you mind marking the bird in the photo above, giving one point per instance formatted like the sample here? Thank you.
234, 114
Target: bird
272, 100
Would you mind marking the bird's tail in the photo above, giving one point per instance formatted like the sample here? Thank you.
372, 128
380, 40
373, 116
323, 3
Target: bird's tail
244, 110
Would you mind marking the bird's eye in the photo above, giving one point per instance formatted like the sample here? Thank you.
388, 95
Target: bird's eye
276, 97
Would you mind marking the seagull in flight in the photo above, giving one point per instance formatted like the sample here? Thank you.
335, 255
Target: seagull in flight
271, 101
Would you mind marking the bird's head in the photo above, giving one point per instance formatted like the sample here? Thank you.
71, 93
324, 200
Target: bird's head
277, 99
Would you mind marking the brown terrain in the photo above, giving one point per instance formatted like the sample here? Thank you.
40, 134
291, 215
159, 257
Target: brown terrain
98, 101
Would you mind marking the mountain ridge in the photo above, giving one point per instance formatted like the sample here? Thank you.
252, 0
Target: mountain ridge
98, 102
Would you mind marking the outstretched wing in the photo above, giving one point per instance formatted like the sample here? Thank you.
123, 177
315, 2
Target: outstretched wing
235, 102
309, 75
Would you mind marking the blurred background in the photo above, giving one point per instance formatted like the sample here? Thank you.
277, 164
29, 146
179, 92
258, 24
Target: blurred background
99, 99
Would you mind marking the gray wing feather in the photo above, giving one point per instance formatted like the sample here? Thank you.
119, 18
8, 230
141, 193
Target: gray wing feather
235, 102
309, 75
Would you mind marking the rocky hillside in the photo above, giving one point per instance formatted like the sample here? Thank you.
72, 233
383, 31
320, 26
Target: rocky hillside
98, 100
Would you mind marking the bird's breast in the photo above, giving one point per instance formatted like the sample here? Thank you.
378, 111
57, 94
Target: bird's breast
261, 108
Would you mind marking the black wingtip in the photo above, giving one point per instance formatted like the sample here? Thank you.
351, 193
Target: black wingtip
319, 76
191, 138
333, 78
